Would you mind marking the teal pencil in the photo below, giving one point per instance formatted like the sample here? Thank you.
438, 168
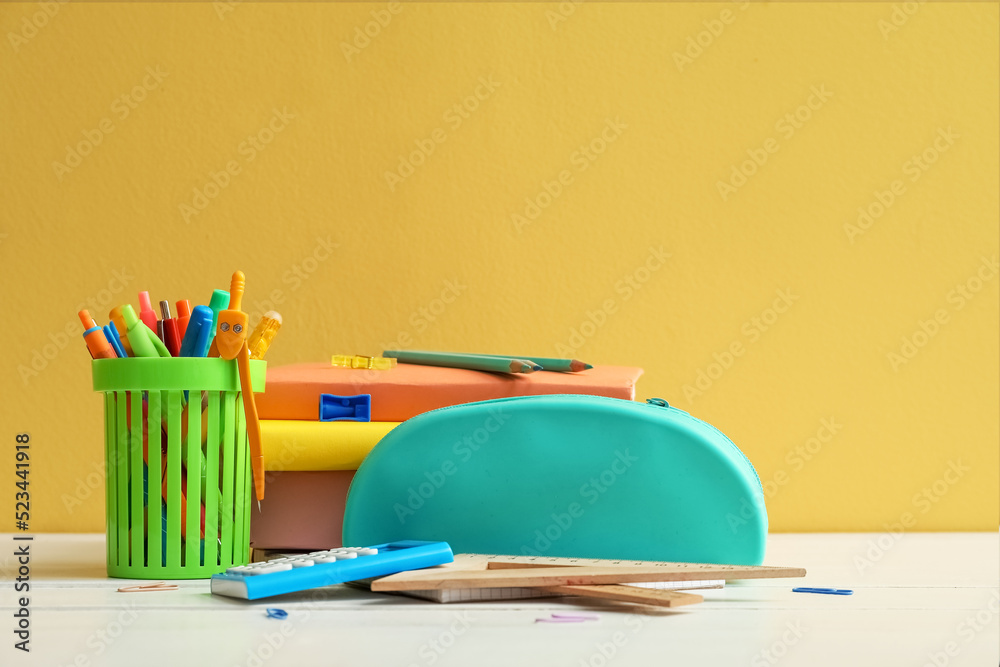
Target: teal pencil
475, 362
549, 364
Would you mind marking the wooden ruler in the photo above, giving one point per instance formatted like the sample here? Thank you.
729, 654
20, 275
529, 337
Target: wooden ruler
651, 596
491, 571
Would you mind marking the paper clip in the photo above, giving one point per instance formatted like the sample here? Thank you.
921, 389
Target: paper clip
360, 361
143, 588
274, 612
825, 591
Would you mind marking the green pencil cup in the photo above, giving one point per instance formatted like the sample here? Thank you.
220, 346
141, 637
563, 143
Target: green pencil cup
177, 465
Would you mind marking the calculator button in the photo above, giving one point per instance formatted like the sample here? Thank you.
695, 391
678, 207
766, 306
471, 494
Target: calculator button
269, 568
367, 552
302, 562
239, 569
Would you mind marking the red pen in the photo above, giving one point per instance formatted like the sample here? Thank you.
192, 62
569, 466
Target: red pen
168, 329
183, 315
146, 313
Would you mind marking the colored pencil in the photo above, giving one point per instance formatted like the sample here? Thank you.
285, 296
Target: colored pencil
475, 362
549, 364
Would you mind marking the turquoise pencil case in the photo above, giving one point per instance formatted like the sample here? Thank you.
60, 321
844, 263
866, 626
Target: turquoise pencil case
562, 475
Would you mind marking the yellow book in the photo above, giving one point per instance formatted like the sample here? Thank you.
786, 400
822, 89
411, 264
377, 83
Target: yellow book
315, 445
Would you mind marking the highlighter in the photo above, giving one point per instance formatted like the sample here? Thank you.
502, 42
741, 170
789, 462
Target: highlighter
146, 313
199, 333
119, 322
169, 325
94, 337
183, 315
263, 334
138, 334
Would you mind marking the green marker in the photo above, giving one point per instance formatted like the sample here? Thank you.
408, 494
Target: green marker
219, 302
139, 334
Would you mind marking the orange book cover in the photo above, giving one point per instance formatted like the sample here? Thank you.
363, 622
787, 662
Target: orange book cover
292, 392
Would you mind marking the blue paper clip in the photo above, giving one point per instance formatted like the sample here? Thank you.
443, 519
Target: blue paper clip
345, 408
825, 591
274, 612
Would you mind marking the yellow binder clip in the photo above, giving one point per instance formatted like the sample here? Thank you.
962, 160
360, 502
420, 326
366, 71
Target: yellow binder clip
359, 361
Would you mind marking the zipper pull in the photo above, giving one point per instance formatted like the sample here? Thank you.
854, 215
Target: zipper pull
657, 402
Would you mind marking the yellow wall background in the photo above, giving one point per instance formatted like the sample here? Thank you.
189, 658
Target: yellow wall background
846, 435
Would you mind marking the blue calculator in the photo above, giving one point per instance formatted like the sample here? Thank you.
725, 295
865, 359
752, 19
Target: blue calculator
323, 568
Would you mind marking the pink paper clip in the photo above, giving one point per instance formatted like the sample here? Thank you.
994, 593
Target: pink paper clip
143, 588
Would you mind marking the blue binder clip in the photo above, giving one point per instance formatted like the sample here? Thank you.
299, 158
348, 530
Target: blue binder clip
345, 408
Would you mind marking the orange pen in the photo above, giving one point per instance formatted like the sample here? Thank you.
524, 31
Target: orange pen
97, 343
183, 315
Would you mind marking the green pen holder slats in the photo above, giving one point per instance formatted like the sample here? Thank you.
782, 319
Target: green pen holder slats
145, 539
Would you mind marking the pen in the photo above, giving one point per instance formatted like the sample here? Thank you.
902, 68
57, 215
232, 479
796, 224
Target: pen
93, 335
146, 313
199, 332
183, 315
116, 317
169, 325
111, 333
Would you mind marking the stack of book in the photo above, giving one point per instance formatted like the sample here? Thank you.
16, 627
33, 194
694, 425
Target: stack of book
310, 463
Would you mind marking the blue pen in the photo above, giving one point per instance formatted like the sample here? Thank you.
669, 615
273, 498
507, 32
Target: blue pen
198, 336
111, 333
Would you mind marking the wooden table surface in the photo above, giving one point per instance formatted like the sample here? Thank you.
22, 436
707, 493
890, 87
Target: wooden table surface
920, 599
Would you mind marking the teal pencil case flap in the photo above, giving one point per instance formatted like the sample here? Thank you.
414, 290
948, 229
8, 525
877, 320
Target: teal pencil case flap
562, 475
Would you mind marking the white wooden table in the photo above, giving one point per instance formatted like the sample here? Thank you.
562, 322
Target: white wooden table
919, 599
